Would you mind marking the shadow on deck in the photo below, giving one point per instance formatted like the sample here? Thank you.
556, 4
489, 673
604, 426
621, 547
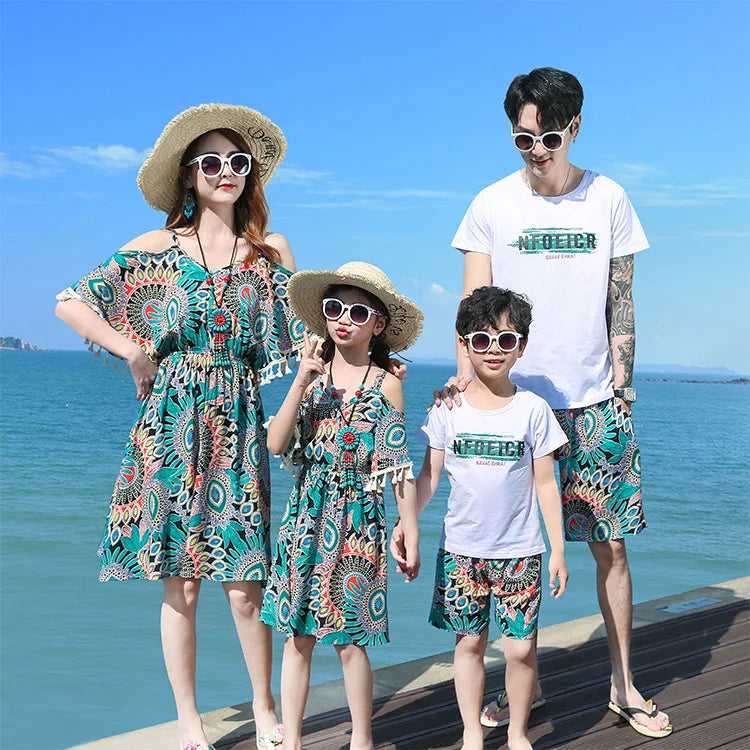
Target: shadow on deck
695, 666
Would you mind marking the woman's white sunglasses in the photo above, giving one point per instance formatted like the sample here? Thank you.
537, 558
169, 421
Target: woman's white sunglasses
481, 341
212, 165
551, 141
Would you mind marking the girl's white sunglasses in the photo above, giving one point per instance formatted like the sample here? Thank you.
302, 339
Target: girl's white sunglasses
212, 165
359, 313
551, 141
481, 341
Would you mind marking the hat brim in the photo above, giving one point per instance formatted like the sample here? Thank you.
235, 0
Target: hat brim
307, 289
158, 177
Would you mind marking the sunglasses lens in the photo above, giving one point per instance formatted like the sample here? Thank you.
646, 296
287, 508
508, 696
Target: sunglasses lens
332, 309
508, 342
210, 165
552, 141
480, 342
240, 164
523, 141
359, 314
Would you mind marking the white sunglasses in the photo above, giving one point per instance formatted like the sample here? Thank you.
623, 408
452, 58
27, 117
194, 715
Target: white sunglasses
212, 165
481, 341
551, 141
359, 313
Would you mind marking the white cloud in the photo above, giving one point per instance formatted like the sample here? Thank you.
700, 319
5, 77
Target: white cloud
292, 175
109, 158
41, 167
419, 193
439, 291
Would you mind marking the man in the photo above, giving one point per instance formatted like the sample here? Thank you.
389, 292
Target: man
566, 238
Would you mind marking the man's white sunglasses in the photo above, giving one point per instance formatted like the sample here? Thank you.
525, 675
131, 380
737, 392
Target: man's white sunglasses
551, 141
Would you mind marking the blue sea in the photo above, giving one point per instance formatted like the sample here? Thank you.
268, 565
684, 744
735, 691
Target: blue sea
81, 659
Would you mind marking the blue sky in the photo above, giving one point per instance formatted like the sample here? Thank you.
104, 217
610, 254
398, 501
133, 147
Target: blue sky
393, 113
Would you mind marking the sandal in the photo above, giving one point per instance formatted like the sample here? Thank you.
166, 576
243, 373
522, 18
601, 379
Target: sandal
490, 716
271, 740
626, 712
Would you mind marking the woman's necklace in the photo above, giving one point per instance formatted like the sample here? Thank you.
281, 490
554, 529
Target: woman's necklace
348, 437
219, 318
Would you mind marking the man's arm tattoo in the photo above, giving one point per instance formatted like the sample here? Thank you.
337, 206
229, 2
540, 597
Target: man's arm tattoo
620, 314
621, 318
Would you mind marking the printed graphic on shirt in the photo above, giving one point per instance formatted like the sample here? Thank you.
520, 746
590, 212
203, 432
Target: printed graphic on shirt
491, 448
555, 242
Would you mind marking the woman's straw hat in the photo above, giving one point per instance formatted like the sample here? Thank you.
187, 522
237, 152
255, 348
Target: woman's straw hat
307, 289
159, 179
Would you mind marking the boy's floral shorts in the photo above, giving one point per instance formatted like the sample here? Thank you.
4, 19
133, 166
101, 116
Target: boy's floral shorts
461, 598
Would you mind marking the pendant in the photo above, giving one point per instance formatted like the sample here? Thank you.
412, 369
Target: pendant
219, 322
348, 440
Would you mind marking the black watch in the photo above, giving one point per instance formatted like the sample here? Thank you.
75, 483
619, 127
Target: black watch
626, 394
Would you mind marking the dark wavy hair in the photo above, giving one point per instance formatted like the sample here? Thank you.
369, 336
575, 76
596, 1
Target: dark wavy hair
251, 212
484, 307
558, 97
379, 351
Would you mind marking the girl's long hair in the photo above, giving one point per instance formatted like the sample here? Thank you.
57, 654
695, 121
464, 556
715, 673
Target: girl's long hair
251, 212
379, 351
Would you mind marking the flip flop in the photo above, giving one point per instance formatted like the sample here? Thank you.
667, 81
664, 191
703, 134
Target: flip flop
626, 712
271, 740
489, 716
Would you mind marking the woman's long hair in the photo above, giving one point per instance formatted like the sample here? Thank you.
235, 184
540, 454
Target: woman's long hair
379, 352
251, 212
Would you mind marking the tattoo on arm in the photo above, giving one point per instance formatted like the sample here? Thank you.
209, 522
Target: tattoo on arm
620, 314
621, 318
626, 357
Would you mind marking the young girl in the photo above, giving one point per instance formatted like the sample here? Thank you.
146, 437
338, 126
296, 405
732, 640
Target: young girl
199, 311
328, 582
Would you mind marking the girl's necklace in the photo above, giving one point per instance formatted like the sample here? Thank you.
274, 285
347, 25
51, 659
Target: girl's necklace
348, 436
219, 318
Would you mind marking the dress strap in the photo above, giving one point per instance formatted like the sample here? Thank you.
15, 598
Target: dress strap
379, 378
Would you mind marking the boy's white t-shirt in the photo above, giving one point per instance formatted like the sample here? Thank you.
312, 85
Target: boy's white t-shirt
556, 251
492, 508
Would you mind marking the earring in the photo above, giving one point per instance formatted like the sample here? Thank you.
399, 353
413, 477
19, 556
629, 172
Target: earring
189, 205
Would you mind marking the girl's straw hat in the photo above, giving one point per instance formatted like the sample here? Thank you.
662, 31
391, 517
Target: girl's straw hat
159, 179
307, 289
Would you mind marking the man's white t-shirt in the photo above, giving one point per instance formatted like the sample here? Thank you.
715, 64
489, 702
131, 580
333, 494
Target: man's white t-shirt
556, 251
492, 508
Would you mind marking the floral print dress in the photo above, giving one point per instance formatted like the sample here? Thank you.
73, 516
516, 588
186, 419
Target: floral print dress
192, 495
328, 577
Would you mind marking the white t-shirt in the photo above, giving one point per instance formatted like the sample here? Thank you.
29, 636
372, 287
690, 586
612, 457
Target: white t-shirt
556, 250
492, 508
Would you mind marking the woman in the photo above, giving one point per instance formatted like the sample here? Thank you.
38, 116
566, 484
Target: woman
199, 312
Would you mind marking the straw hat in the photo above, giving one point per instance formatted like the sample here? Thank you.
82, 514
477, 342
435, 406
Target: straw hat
307, 289
158, 177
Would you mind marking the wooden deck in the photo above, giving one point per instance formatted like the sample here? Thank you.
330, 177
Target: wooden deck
695, 666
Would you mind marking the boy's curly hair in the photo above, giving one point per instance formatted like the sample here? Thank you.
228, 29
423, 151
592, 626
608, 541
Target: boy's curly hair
484, 307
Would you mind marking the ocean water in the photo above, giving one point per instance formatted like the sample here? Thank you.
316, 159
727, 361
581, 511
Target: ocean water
81, 659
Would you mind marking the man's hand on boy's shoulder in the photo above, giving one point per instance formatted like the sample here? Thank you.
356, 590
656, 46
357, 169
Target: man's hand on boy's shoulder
451, 392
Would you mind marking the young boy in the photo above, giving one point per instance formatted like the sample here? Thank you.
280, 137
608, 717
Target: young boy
496, 447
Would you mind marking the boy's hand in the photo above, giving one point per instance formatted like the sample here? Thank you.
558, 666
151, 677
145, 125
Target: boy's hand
557, 570
398, 368
398, 547
310, 363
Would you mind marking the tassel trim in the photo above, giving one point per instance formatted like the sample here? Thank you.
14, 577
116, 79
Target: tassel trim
116, 361
377, 480
278, 368
287, 458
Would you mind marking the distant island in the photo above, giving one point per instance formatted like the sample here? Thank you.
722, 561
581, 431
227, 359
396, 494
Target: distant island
13, 342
